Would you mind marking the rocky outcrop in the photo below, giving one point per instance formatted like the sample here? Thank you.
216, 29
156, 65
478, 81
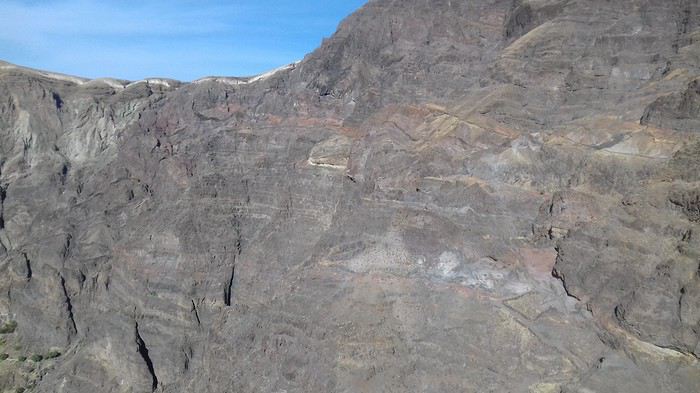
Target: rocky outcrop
445, 196
678, 111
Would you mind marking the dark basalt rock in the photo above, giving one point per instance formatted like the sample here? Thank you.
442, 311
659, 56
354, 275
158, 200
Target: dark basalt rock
678, 111
445, 196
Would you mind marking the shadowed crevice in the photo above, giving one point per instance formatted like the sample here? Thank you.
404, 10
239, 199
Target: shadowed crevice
143, 351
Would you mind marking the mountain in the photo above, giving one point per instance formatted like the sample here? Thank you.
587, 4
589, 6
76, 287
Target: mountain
446, 196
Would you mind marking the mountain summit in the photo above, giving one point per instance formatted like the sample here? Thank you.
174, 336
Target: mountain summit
446, 196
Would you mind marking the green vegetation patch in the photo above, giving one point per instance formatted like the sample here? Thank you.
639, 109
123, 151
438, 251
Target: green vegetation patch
36, 358
8, 327
52, 355
3, 356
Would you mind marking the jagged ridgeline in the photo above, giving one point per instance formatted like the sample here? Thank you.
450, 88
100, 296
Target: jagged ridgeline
446, 196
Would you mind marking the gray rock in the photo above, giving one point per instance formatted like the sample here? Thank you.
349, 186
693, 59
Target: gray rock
445, 196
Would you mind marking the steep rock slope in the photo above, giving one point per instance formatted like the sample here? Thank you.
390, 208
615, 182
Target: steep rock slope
446, 196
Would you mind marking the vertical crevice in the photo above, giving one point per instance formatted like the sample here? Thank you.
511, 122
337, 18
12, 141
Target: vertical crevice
3, 195
26, 146
680, 306
66, 246
228, 289
239, 247
64, 174
196, 313
246, 187
69, 307
28, 268
237, 230
188, 354
186, 363
143, 351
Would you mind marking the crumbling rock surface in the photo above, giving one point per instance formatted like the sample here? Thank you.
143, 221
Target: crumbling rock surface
445, 196
677, 111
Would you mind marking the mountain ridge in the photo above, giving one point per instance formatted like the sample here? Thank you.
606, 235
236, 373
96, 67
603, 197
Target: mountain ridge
445, 196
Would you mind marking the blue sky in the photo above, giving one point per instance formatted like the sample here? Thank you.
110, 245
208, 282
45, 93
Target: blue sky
181, 39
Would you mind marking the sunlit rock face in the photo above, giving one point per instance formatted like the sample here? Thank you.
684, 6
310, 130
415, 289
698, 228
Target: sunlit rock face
446, 196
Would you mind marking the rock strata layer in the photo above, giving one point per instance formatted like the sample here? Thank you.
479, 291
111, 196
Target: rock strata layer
472, 196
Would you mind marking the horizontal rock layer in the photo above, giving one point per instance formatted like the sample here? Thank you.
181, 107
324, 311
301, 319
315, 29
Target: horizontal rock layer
475, 196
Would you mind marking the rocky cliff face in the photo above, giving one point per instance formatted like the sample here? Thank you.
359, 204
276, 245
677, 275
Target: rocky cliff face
476, 196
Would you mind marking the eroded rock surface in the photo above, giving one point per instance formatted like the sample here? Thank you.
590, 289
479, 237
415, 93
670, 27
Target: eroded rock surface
473, 196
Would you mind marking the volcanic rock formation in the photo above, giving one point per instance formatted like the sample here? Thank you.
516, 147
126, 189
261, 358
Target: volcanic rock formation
446, 196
